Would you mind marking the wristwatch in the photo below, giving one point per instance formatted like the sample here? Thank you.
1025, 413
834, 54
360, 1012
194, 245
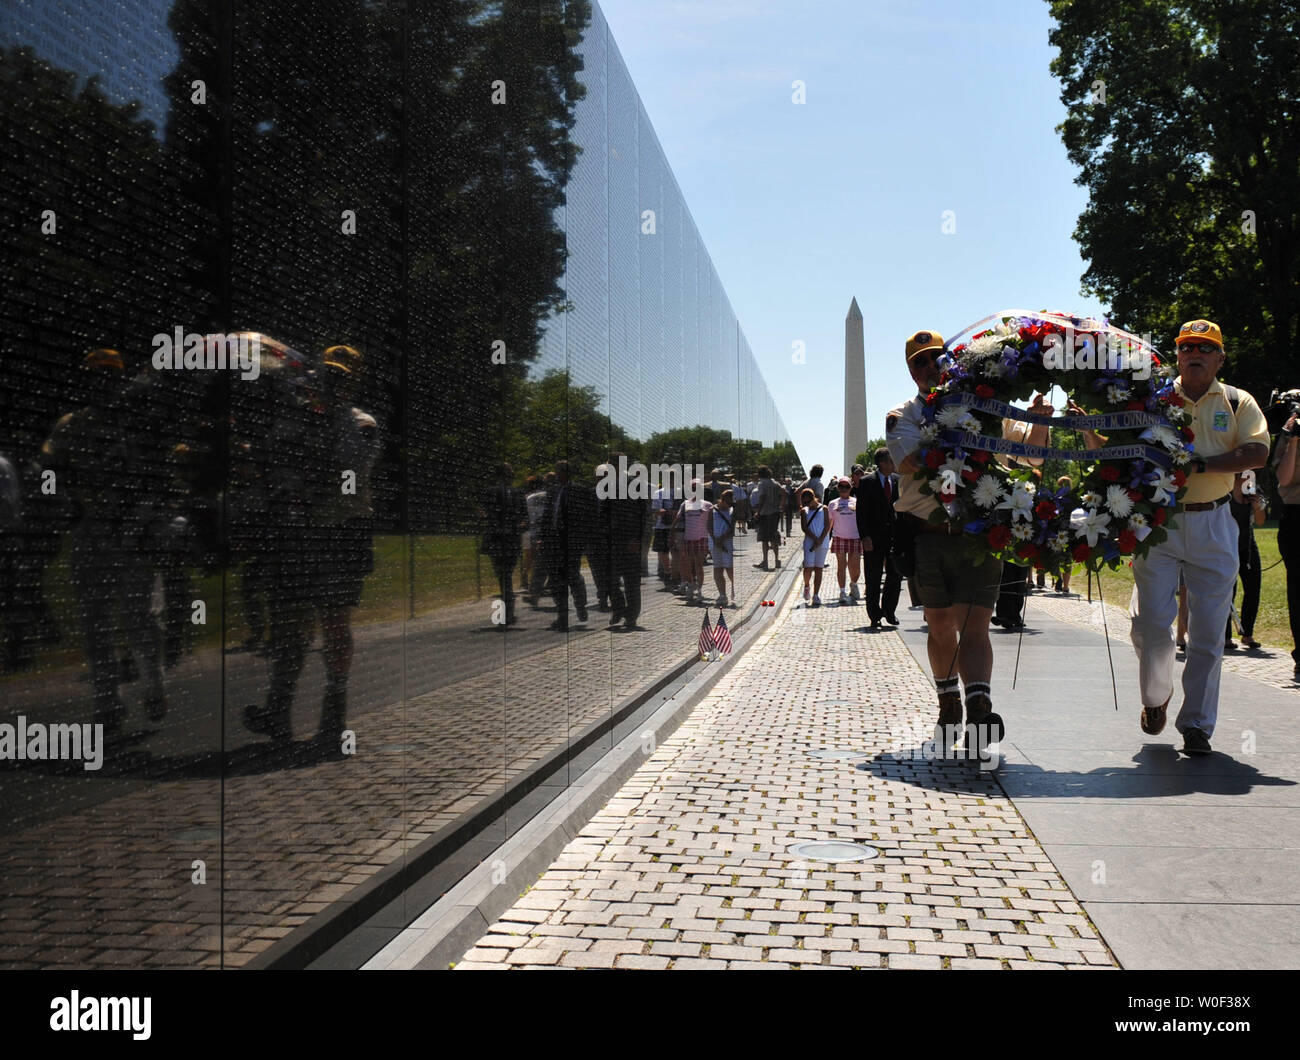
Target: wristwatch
1199, 465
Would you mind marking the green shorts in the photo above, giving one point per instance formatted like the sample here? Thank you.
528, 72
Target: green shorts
945, 576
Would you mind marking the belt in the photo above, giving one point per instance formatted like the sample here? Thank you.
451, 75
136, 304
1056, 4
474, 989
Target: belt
1206, 506
923, 527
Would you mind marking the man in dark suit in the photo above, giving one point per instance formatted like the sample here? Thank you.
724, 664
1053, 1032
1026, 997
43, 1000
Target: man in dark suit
568, 524
876, 493
625, 519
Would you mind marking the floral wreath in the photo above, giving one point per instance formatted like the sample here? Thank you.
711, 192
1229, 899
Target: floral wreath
1126, 499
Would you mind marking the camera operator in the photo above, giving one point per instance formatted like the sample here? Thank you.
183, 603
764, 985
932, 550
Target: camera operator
1286, 466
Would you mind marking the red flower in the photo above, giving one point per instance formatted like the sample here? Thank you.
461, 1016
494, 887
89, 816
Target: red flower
984, 390
1127, 541
980, 456
1180, 478
1134, 406
1158, 516
1135, 495
1109, 472
1045, 510
933, 459
999, 536
1175, 399
970, 475
1040, 564
1027, 551
1081, 551
1189, 434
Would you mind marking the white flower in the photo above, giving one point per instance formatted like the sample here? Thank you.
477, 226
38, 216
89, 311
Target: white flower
1162, 435
930, 433
1061, 542
1118, 501
987, 492
985, 347
956, 466
995, 369
1117, 393
1182, 455
951, 415
1092, 526
1022, 531
1165, 488
1021, 502
1007, 329
1090, 499
1136, 520
1177, 415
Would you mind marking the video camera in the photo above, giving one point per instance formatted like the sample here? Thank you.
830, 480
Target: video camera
1282, 405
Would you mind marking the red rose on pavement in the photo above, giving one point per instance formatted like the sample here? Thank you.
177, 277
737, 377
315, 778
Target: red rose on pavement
1158, 516
1081, 552
933, 459
1109, 473
999, 536
984, 390
1045, 510
1127, 542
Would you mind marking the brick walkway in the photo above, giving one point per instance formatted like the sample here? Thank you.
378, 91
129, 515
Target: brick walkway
687, 867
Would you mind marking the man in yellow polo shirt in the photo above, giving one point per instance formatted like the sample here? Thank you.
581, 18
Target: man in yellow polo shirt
1229, 435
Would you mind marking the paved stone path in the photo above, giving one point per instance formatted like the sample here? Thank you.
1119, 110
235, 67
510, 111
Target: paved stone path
687, 867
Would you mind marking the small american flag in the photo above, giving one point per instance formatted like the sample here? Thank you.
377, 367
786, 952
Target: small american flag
706, 637
722, 636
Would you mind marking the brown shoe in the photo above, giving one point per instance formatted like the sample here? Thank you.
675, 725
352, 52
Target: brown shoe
949, 708
1153, 718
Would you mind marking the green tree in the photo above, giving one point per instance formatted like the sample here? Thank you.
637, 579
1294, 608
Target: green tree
867, 458
1183, 121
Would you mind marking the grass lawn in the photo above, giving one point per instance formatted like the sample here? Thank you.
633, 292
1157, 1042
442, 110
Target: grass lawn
1271, 627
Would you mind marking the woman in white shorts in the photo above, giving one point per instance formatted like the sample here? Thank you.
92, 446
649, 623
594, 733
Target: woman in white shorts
722, 531
816, 524
846, 544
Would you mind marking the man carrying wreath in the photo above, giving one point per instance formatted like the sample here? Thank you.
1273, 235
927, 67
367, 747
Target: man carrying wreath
957, 595
1229, 435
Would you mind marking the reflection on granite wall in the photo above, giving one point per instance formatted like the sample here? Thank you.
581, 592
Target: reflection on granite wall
317, 319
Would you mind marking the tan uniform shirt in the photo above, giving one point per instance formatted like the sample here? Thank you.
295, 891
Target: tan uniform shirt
1217, 431
903, 438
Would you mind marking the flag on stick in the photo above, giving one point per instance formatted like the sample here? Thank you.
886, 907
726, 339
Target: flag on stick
722, 636
706, 636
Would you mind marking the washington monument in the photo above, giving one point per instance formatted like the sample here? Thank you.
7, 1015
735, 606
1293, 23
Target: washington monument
855, 387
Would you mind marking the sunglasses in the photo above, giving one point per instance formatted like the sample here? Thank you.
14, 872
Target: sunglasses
1197, 347
922, 358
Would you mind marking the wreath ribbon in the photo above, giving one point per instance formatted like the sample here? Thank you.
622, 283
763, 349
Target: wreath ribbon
967, 440
1102, 421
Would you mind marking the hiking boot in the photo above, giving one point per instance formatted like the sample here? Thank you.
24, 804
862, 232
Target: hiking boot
947, 729
981, 719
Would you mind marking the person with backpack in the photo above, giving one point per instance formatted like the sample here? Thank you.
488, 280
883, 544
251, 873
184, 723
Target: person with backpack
1229, 435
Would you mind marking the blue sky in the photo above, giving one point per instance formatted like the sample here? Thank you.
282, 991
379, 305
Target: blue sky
914, 107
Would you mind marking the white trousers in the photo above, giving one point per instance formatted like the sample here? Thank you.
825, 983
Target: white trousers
1204, 548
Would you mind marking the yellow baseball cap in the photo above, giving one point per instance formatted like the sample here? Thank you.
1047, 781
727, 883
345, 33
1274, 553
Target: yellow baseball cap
1205, 330
104, 358
923, 340
345, 358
